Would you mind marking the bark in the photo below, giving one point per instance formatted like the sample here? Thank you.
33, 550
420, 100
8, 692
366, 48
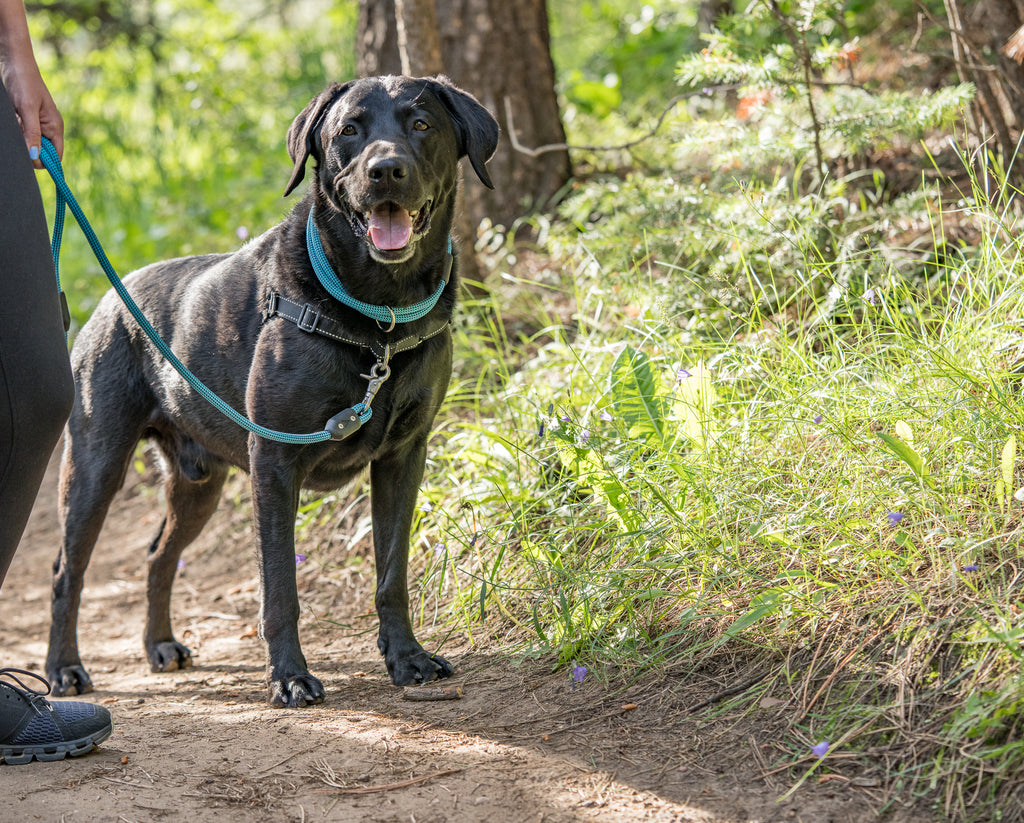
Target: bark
983, 35
495, 50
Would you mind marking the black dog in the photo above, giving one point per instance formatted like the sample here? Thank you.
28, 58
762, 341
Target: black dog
261, 329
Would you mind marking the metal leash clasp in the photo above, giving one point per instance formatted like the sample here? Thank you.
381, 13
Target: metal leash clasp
349, 421
380, 372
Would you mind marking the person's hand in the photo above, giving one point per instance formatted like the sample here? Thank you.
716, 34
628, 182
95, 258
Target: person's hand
20, 75
36, 110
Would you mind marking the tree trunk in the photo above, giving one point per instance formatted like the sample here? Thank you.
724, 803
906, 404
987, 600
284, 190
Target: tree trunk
496, 50
988, 47
418, 37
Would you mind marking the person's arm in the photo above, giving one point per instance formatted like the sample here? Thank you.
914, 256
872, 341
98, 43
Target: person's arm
20, 75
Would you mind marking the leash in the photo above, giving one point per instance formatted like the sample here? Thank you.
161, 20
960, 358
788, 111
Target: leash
338, 427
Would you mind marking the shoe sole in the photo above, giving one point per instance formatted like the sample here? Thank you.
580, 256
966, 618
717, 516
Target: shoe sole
20, 755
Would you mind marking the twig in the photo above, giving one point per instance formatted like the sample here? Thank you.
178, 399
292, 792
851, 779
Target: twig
550, 147
289, 757
742, 687
331, 780
835, 672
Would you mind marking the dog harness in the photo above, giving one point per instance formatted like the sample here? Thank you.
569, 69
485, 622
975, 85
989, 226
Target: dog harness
312, 320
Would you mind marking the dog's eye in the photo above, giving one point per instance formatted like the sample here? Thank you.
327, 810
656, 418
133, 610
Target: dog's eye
348, 130
421, 125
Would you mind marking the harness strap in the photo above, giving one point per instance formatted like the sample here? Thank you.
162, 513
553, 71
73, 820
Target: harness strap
312, 320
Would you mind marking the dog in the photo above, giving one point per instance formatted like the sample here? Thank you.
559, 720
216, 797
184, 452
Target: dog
262, 330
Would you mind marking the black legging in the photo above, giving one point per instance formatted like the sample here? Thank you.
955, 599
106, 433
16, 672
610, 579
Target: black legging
36, 389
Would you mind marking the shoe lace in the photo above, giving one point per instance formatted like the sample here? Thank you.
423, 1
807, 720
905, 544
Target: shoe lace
36, 699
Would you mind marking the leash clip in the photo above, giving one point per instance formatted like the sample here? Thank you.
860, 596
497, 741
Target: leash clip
380, 372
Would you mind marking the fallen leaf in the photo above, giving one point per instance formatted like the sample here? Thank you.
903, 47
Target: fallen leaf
770, 702
124, 760
108, 700
628, 707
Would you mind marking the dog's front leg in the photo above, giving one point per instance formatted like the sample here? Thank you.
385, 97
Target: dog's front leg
275, 495
395, 486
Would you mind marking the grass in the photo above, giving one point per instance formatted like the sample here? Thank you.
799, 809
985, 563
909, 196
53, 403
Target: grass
832, 494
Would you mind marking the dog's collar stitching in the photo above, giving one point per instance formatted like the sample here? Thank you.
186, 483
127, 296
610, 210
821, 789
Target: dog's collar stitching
382, 314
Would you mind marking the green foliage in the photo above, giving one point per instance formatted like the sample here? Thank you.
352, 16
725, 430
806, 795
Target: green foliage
176, 116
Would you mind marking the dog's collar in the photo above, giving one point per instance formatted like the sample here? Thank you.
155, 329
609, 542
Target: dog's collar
382, 314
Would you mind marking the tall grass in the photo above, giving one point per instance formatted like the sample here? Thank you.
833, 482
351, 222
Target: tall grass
823, 490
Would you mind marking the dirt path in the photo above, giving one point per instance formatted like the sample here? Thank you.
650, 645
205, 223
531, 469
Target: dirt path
521, 745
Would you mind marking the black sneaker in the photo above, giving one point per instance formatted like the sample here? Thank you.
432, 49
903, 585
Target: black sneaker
33, 727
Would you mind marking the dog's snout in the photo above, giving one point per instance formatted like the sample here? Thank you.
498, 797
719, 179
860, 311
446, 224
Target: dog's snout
387, 169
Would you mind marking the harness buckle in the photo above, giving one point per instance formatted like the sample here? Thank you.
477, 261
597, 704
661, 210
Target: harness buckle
271, 310
309, 318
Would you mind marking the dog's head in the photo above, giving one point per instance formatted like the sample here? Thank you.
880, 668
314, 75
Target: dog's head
386, 151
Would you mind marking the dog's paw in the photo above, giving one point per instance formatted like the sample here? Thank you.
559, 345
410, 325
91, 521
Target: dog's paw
68, 681
296, 692
418, 667
169, 656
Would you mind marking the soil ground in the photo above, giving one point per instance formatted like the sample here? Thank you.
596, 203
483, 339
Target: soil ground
521, 744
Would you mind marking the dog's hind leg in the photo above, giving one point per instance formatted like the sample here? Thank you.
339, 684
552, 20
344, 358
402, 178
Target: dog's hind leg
93, 467
193, 486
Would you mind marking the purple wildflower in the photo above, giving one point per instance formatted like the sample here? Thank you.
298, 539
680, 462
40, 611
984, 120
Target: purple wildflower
605, 417
817, 419
300, 558
870, 296
681, 375
585, 436
578, 673
821, 749
242, 233
972, 568
181, 565
894, 518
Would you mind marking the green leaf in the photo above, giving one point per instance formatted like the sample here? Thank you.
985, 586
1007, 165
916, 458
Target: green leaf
910, 457
1006, 462
635, 393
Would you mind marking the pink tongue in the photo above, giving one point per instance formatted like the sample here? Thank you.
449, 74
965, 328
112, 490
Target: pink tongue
390, 227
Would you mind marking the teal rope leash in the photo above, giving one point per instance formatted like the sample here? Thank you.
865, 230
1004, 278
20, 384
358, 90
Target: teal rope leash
337, 428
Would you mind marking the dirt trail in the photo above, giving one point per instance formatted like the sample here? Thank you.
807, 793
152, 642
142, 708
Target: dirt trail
521, 745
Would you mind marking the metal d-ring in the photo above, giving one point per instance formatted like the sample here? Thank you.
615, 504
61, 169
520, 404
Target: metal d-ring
394, 321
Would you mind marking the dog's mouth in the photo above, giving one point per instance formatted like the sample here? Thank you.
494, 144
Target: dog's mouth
391, 230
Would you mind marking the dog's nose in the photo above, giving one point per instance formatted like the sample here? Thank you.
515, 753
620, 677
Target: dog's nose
385, 169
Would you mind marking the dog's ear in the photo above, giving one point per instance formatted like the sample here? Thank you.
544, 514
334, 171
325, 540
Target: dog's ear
476, 127
304, 133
